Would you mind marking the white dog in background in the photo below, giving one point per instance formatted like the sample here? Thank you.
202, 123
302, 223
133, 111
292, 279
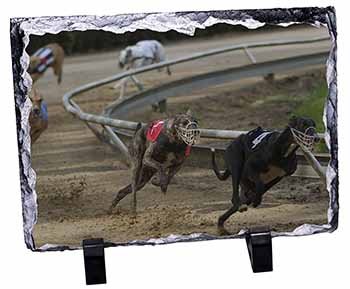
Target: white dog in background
143, 53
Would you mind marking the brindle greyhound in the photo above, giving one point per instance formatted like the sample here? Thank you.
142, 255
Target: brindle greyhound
159, 148
258, 160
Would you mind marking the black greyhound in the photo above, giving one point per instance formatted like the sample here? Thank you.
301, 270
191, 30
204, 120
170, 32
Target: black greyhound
259, 159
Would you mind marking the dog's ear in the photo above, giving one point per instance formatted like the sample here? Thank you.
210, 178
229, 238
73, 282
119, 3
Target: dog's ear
293, 121
32, 94
128, 51
35, 95
189, 113
124, 56
171, 124
171, 129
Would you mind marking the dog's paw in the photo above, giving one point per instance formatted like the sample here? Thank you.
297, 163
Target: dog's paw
164, 188
222, 231
164, 182
243, 208
155, 181
109, 211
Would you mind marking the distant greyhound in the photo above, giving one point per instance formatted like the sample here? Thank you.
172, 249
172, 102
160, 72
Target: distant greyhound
38, 118
158, 151
51, 55
143, 53
258, 160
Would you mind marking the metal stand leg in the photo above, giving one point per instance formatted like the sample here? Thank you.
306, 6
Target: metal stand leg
94, 260
259, 245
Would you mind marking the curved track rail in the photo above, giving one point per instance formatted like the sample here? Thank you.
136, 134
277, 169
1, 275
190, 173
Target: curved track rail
114, 130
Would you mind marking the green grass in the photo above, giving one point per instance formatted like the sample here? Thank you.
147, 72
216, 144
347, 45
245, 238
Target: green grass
313, 107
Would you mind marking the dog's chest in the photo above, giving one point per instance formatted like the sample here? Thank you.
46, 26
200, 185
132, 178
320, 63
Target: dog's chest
272, 173
170, 158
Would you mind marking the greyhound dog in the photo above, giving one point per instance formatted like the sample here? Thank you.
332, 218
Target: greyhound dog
51, 55
143, 53
258, 160
38, 118
161, 148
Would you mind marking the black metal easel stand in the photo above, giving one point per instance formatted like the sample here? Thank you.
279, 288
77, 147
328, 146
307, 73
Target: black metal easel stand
259, 243
94, 260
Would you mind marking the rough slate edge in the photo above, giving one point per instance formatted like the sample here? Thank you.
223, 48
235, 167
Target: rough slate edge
184, 22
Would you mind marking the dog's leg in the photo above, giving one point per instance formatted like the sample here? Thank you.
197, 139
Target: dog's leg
120, 195
272, 183
34, 136
263, 189
259, 191
124, 83
290, 163
35, 76
137, 153
234, 158
119, 83
136, 172
172, 170
234, 208
57, 69
244, 198
136, 82
59, 78
60, 60
40, 127
147, 174
148, 160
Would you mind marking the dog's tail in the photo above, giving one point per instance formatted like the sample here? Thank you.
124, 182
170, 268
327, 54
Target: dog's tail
222, 176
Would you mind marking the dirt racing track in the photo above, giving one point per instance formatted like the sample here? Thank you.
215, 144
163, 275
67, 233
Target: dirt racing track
77, 175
